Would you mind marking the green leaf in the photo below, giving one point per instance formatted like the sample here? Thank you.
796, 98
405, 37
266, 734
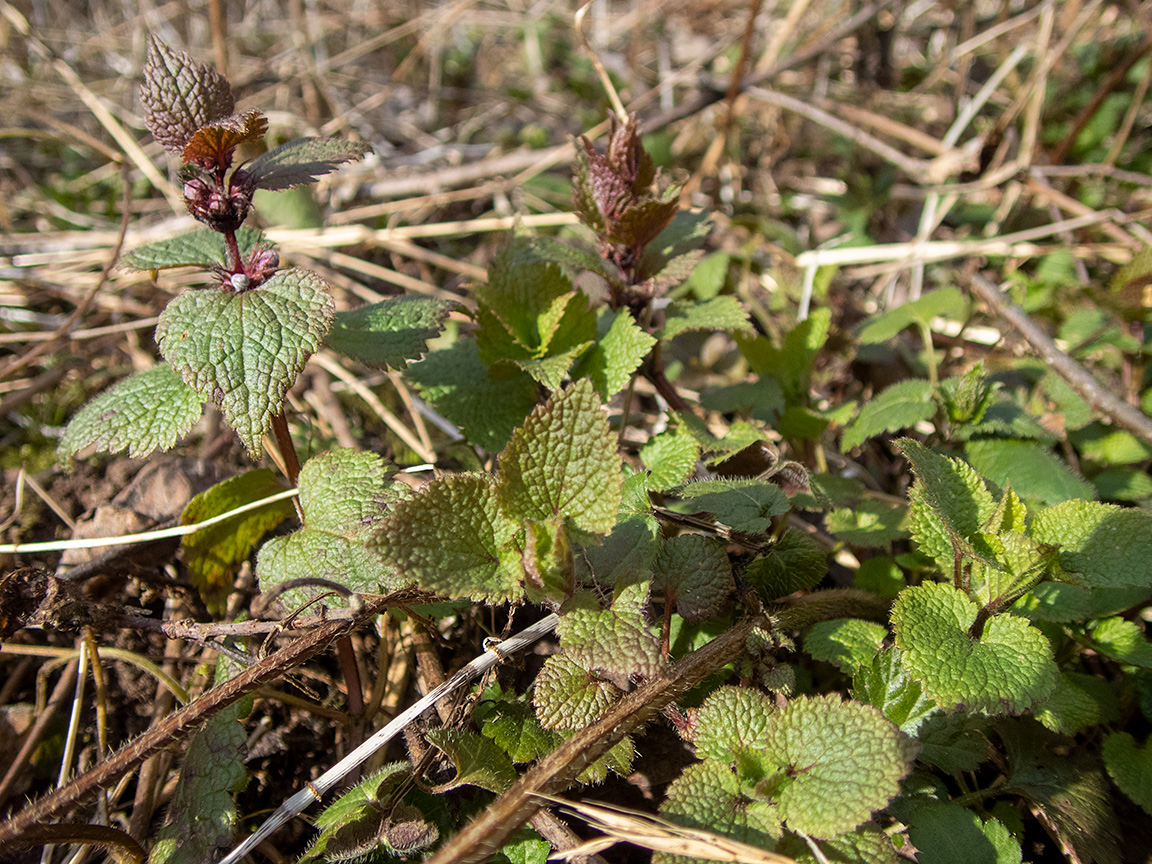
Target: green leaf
551, 371
200, 248
709, 276
1107, 445
563, 463
762, 399
389, 333
148, 411
302, 161
965, 398
621, 346
1130, 767
719, 313
527, 296
796, 563
950, 487
1108, 546
695, 574
743, 505
1123, 484
478, 761
202, 813
567, 697
881, 576
946, 833
842, 761
455, 539
867, 844
871, 522
954, 742
551, 249
1033, 471
617, 760
1067, 786
213, 554
1008, 669
950, 503
791, 364
884, 683
510, 721
731, 720
900, 406
488, 404
618, 641
630, 548
356, 824
1069, 709
707, 796
1123, 641
243, 350
1020, 563
344, 495
670, 458
946, 303
847, 643
672, 256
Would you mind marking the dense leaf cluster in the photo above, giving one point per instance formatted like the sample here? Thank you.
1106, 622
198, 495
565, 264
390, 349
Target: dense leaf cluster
958, 652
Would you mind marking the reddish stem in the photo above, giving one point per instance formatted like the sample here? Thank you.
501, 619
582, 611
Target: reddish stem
232, 245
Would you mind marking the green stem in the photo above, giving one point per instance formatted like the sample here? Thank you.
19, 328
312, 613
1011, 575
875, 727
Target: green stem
929, 351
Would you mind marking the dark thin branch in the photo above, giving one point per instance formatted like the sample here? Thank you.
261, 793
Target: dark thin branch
1082, 381
178, 725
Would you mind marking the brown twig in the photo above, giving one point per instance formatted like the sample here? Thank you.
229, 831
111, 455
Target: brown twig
1101, 400
34, 734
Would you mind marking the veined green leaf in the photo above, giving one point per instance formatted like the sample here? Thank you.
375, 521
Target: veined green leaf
567, 698
487, 403
389, 333
842, 762
202, 815
200, 248
900, 406
620, 348
1032, 470
213, 554
243, 350
345, 495
1130, 767
1110, 547
1007, 669
731, 720
719, 313
478, 761
695, 574
563, 463
454, 538
150, 410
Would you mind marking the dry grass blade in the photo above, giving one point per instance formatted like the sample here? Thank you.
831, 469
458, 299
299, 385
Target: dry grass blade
625, 825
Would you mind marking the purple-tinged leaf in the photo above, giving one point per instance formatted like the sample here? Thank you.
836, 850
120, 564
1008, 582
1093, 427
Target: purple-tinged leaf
302, 161
180, 96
